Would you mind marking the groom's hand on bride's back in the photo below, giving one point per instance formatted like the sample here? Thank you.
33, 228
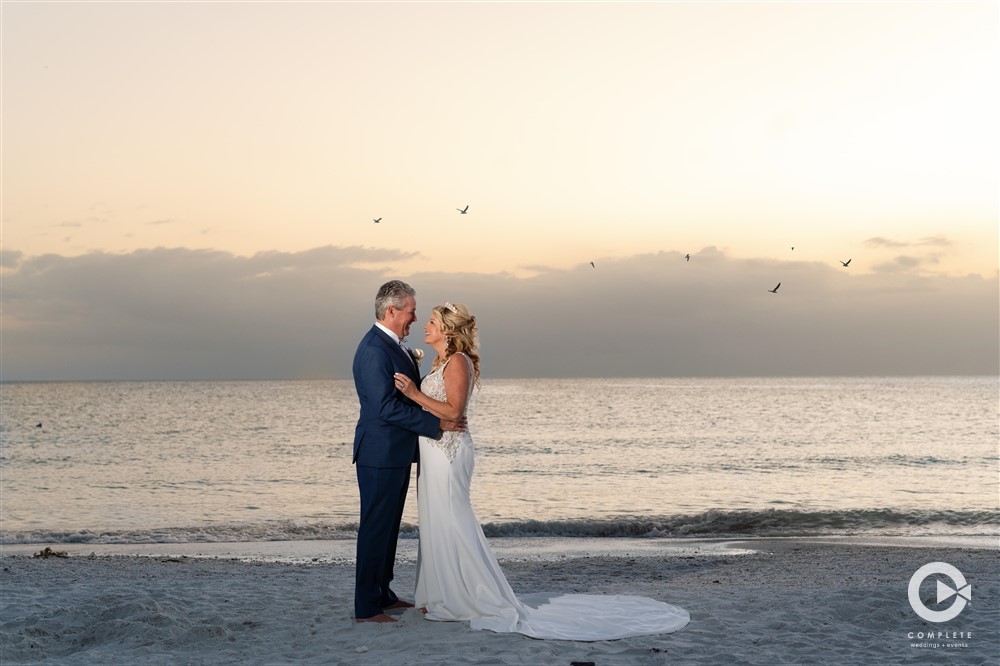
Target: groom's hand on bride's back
459, 425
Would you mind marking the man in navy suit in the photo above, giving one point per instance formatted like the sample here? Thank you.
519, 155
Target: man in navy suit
385, 447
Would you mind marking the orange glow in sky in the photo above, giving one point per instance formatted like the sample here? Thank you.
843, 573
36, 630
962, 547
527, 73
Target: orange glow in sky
573, 131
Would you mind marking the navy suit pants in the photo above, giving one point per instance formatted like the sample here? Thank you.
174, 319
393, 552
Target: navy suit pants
383, 494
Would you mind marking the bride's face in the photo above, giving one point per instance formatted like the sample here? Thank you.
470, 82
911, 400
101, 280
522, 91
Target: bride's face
432, 331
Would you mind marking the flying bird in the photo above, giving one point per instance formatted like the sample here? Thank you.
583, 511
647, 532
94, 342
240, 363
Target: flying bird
39, 425
793, 248
592, 265
687, 257
376, 220
463, 211
845, 264
775, 290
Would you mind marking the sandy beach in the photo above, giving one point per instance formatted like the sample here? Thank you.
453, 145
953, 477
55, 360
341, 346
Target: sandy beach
760, 602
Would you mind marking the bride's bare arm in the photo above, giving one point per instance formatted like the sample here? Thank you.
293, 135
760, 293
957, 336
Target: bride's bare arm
456, 386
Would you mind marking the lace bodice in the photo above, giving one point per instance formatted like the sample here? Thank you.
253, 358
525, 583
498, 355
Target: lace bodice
433, 386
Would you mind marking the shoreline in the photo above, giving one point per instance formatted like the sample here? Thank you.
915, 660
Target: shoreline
340, 551
762, 601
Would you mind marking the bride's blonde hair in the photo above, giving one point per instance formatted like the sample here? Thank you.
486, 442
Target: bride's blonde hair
459, 328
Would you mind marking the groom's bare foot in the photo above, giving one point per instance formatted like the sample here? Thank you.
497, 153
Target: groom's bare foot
398, 603
381, 617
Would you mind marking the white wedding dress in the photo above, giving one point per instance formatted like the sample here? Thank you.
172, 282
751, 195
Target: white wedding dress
458, 577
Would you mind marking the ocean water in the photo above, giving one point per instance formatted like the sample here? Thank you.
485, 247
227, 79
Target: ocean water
176, 462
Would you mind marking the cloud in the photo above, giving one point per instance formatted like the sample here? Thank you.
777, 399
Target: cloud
9, 258
906, 263
881, 242
180, 313
939, 241
909, 262
164, 221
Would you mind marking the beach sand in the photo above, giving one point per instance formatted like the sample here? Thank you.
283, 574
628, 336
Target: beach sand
765, 601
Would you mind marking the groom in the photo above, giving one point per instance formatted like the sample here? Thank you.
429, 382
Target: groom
385, 446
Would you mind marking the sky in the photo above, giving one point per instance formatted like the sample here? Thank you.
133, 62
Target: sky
189, 189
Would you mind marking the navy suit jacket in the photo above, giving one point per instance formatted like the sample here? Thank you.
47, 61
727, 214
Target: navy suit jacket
390, 423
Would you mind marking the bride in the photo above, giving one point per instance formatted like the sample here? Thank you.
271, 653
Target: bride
458, 577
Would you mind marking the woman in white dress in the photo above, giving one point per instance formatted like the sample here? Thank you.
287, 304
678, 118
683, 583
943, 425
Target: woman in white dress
458, 578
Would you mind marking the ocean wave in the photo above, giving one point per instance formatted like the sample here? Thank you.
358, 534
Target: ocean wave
767, 522
716, 523
275, 531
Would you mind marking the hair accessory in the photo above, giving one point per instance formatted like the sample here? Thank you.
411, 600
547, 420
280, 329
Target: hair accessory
449, 306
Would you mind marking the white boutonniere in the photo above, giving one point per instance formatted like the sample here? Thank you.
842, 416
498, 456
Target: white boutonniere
417, 354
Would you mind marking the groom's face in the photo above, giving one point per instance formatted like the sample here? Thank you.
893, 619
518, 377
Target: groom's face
398, 320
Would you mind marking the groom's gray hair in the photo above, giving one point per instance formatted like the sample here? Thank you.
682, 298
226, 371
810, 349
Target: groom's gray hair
394, 293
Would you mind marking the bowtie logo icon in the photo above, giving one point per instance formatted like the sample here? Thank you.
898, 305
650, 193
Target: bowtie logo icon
960, 589
945, 592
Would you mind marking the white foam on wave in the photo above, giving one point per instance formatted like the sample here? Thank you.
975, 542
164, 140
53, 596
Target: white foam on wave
708, 524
